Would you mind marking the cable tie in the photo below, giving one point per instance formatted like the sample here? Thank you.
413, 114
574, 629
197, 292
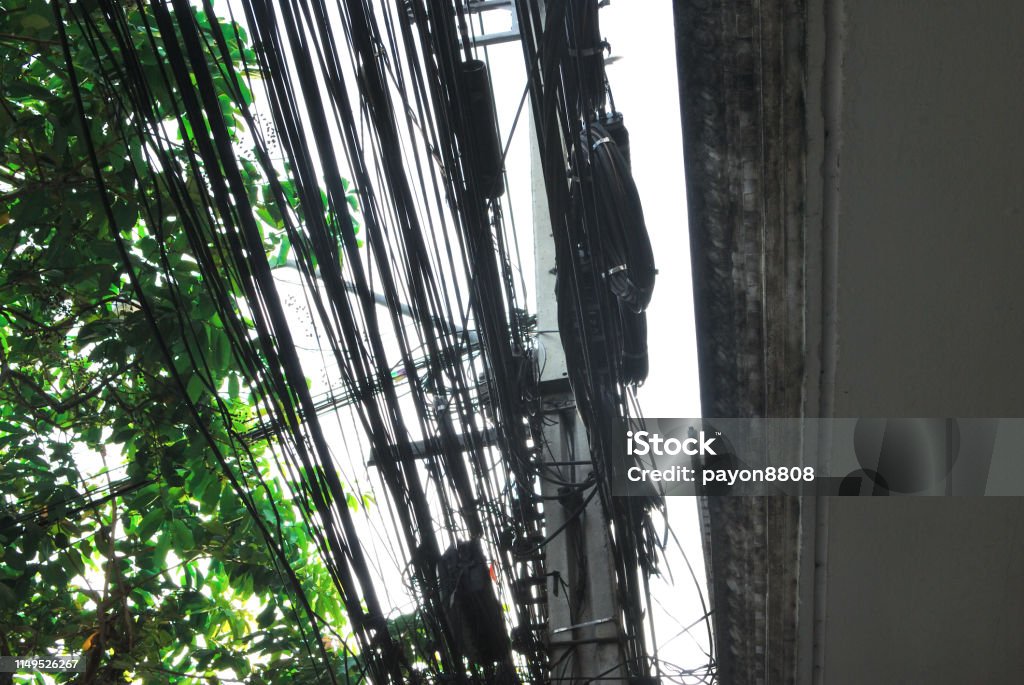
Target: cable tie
601, 141
616, 269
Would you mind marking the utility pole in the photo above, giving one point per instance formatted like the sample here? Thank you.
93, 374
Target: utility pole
584, 627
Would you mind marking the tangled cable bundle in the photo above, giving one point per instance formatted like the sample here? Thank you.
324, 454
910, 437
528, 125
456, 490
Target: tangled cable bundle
386, 178
622, 246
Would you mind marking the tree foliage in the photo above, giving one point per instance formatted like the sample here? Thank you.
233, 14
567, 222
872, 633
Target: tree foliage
120, 534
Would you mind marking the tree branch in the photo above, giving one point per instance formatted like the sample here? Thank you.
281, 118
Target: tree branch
58, 406
15, 38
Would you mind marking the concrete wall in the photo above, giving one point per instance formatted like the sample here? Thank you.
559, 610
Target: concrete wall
917, 134
925, 590
931, 209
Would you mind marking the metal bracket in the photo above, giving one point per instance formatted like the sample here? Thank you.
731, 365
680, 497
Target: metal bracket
481, 6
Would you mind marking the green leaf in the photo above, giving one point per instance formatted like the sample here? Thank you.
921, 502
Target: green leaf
36, 21
93, 332
198, 482
168, 469
182, 536
267, 616
281, 258
125, 217
195, 387
211, 497
32, 535
75, 561
8, 600
221, 350
237, 623
15, 559
150, 523
55, 575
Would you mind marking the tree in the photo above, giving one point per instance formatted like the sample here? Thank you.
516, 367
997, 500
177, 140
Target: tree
120, 532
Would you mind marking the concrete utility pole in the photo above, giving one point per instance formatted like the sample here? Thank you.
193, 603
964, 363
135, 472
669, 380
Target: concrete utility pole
584, 626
